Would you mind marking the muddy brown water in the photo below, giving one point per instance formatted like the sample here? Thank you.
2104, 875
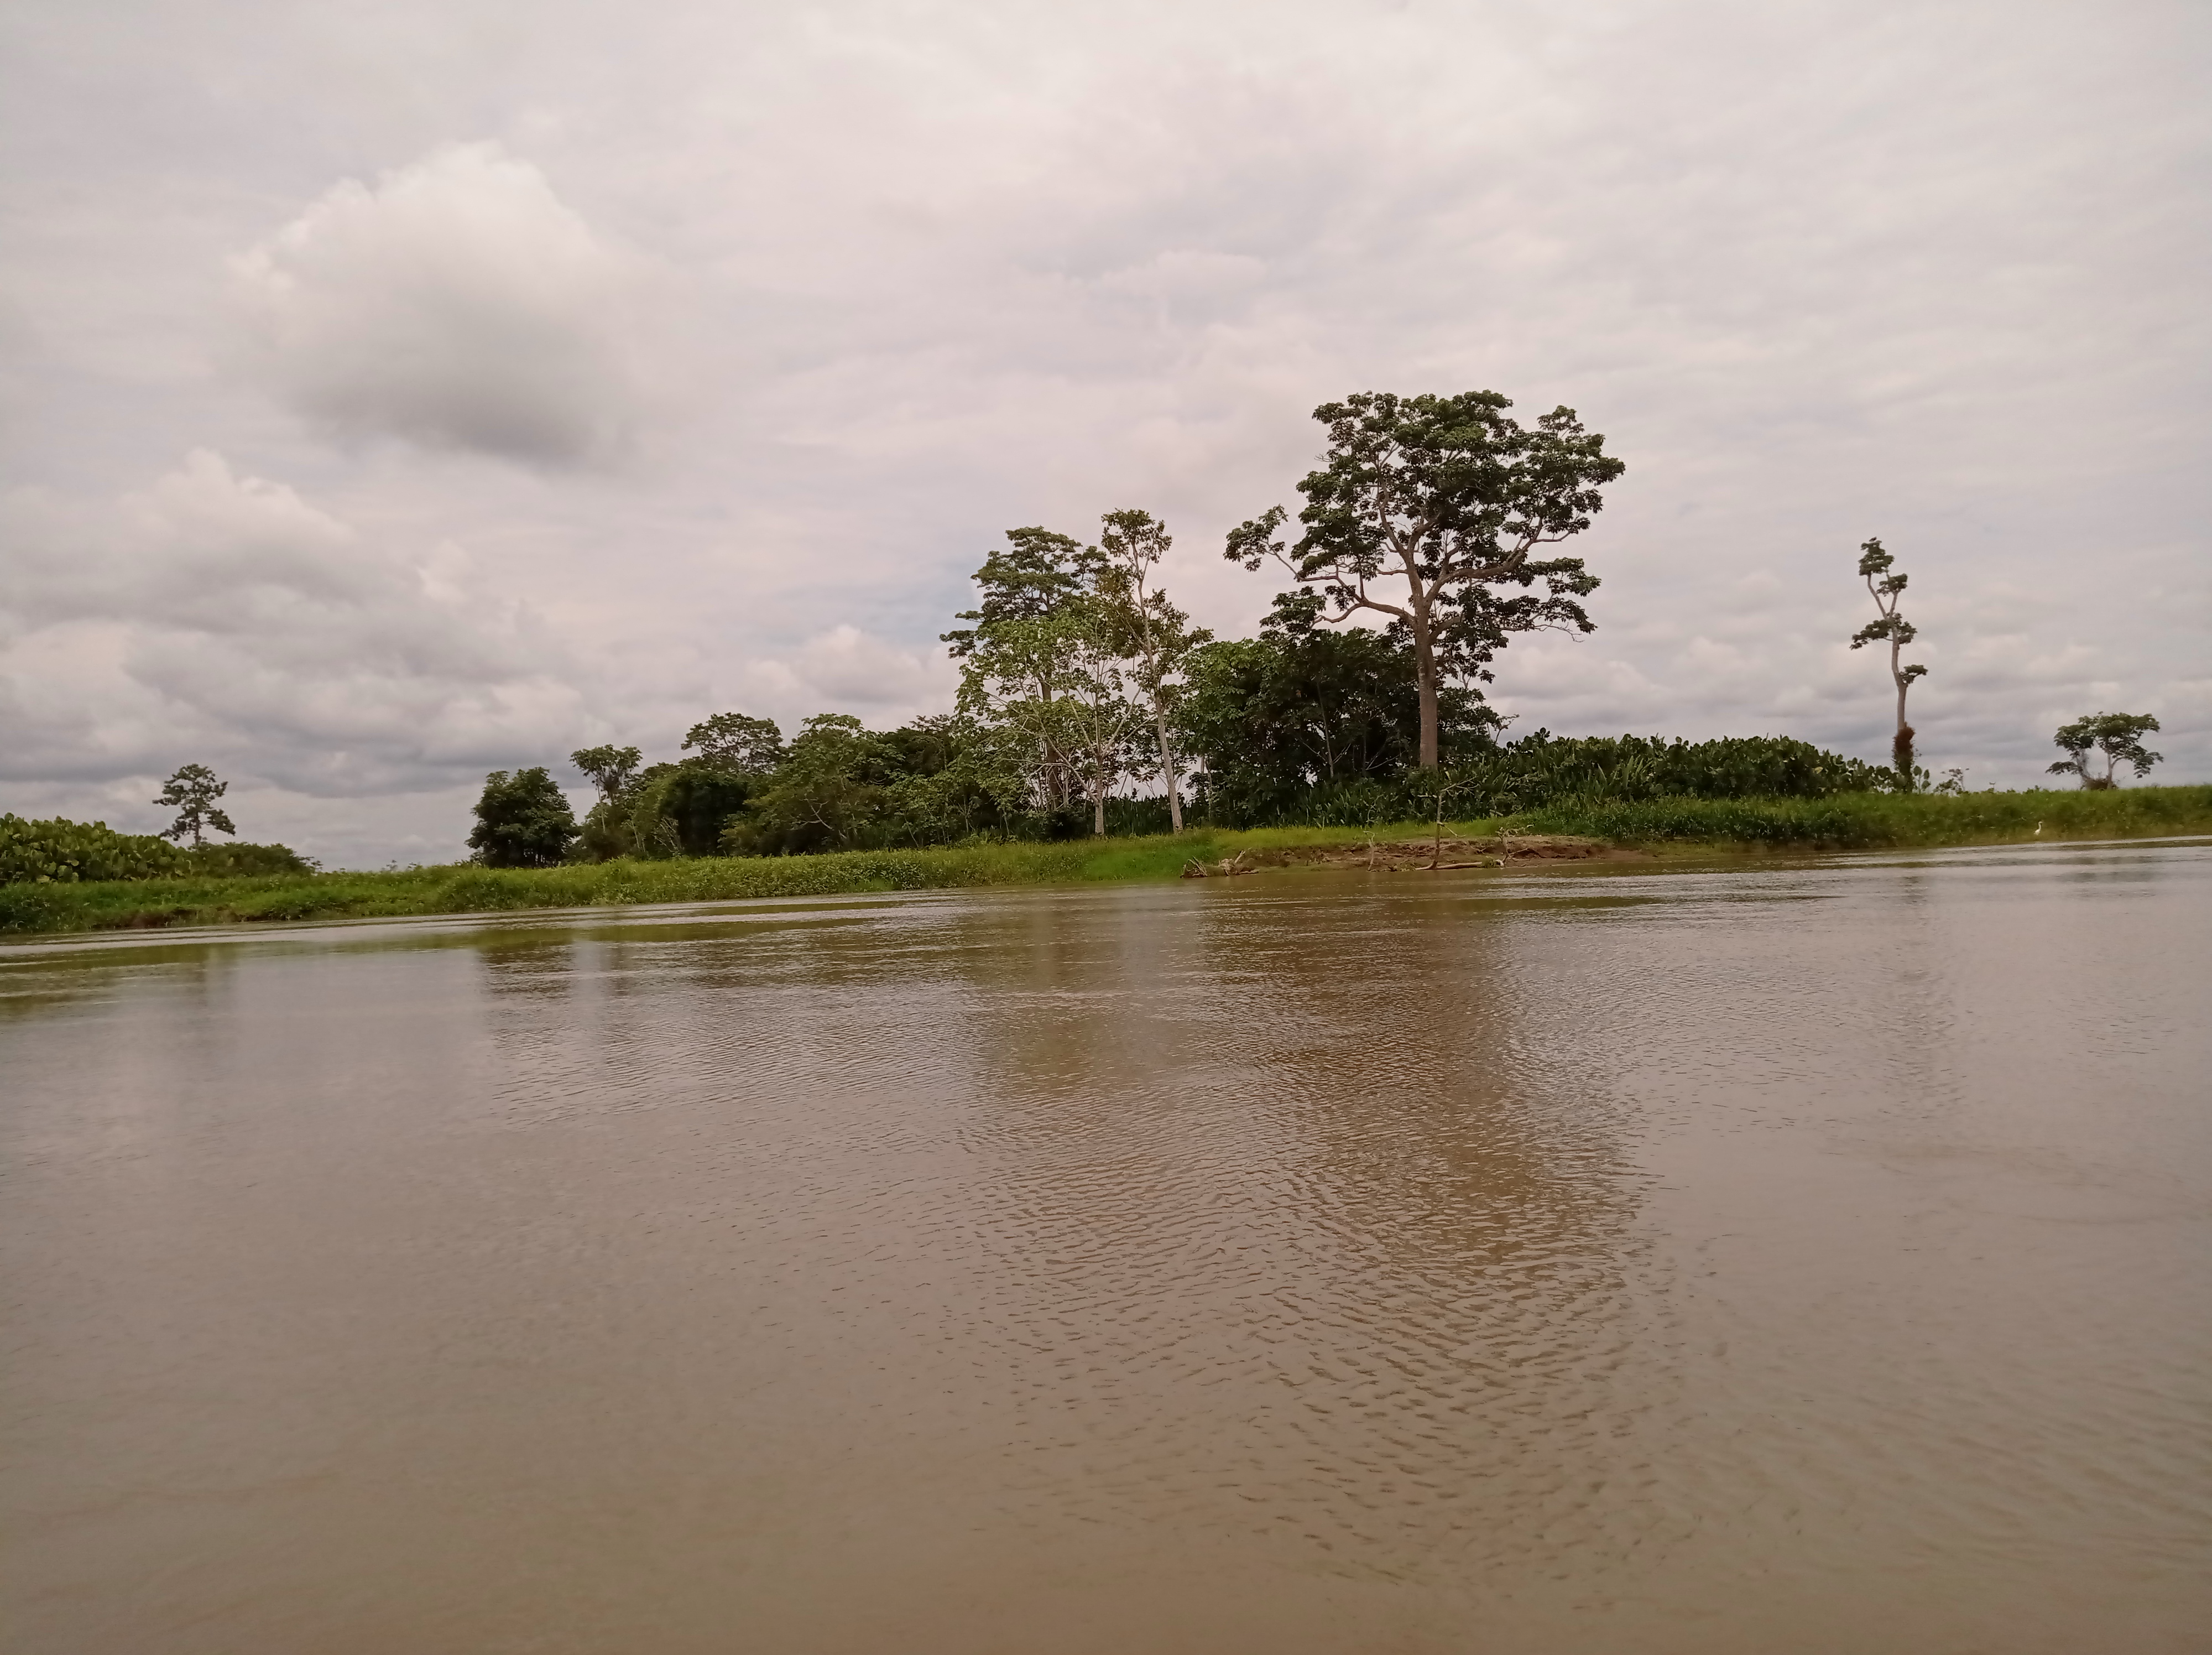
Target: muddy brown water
1786, 1257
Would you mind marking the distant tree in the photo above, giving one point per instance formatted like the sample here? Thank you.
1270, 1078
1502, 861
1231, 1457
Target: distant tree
1017, 655
957, 779
1097, 718
611, 769
192, 793
1892, 626
1311, 716
523, 820
829, 794
1038, 573
1451, 496
606, 831
2118, 736
738, 743
680, 810
1154, 636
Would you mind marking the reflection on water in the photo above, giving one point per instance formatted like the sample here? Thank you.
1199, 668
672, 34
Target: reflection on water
1801, 1258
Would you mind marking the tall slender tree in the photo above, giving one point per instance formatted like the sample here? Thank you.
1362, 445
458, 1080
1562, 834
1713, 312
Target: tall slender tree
1154, 636
1451, 498
192, 793
1097, 714
1886, 585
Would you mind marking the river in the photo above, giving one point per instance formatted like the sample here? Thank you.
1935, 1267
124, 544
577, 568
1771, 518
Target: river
1789, 1255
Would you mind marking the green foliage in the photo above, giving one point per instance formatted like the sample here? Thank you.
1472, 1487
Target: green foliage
737, 743
678, 809
192, 793
1258, 722
958, 780
611, 769
1542, 770
2118, 736
1151, 634
523, 820
830, 792
1039, 632
62, 852
1839, 821
1314, 723
1037, 573
236, 859
1852, 821
1452, 497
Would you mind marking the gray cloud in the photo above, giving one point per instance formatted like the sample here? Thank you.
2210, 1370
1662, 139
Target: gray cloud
219, 617
456, 303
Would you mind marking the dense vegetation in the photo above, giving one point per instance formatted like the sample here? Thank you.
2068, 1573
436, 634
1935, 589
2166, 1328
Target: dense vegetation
59, 852
1088, 705
1836, 821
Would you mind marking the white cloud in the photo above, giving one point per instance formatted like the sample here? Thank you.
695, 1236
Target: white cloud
458, 303
216, 617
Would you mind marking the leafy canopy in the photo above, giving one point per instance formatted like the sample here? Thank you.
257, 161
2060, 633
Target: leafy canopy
2118, 736
523, 820
611, 769
1452, 498
1037, 573
738, 743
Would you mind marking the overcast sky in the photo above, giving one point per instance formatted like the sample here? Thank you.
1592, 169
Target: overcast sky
393, 392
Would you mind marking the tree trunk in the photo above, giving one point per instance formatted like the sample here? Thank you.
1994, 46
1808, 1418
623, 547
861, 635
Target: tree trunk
1098, 812
1168, 775
1901, 751
1425, 671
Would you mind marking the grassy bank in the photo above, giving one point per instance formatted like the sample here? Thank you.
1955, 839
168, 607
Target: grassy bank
1854, 821
1873, 821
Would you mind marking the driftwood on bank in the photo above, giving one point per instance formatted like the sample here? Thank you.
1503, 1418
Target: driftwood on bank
1417, 855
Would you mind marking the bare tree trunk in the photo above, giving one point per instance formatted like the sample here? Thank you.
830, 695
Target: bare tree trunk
1901, 751
1168, 775
1097, 810
1425, 670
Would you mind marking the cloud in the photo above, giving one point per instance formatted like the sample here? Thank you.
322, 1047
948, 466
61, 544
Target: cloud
216, 617
457, 303
845, 669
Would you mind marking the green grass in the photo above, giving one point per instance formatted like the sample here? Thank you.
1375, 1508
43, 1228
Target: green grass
1852, 821
1868, 821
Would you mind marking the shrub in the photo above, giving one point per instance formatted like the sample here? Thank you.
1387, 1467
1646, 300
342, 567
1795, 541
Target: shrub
60, 852
228, 860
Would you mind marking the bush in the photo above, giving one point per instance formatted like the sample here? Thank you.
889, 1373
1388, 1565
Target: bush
1542, 771
60, 852
228, 860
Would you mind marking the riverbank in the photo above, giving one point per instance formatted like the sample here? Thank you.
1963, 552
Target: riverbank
1847, 822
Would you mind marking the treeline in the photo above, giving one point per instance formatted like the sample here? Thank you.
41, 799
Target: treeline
1084, 691
1089, 703
837, 785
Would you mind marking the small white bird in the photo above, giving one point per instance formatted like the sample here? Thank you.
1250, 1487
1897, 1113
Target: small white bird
2038, 829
